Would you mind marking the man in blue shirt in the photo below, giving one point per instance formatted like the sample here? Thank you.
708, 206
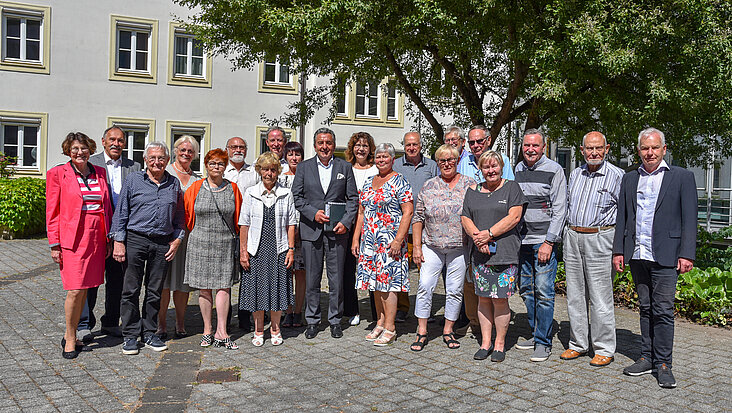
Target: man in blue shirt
147, 227
479, 140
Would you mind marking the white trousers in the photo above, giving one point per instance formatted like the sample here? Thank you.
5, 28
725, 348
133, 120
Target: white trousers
429, 274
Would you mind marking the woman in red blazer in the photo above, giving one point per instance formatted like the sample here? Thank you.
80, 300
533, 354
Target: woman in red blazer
78, 216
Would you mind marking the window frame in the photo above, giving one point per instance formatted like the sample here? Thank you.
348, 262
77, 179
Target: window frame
26, 11
383, 119
290, 88
37, 119
133, 125
191, 128
136, 25
176, 30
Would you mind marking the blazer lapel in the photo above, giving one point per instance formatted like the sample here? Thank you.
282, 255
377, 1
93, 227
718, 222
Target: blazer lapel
668, 176
333, 175
71, 180
316, 174
634, 190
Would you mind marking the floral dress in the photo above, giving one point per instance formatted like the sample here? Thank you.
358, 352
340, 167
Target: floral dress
382, 214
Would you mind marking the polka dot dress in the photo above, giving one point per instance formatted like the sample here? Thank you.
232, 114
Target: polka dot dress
267, 285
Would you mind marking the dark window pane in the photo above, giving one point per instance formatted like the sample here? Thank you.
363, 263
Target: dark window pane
11, 135
13, 49
269, 72
142, 41
197, 69
196, 164
124, 59
342, 104
33, 29
32, 50
141, 61
180, 65
373, 89
181, 45
373, 109
13, 25
391, 108
138, 140
137, 157
360, 105
29, 156
284, 73
125, 39
360, 89
392, 91
30, 135
197, 48
11, 151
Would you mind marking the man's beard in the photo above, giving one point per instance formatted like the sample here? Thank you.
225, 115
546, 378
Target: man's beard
594, 162
237, 158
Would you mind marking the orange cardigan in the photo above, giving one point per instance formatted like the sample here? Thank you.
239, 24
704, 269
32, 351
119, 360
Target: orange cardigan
189, 200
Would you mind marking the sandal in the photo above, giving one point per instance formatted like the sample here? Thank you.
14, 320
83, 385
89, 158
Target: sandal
297, 320
287, 322
383, 340
226, 343
450, 340
375, 333
207, 340
418, 344
258, 341
276, 339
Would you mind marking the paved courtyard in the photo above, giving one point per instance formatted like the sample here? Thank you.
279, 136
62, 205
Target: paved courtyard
326, 374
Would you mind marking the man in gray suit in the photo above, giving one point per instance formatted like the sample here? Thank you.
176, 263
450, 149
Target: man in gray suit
320, 180
118, 167
656, 236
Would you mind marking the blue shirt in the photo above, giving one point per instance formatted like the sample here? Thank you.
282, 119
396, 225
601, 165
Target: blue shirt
148, 208
468, 166
417, 174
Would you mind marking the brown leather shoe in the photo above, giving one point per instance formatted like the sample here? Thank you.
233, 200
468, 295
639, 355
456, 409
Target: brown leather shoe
570, 354
601, 361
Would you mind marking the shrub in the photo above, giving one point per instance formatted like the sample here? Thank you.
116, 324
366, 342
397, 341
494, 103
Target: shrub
22, 206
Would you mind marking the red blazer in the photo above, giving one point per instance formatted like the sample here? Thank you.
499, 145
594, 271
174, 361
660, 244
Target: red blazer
63, 205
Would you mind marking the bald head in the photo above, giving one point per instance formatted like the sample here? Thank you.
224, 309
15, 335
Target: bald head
594, 134
236, 148
413, 146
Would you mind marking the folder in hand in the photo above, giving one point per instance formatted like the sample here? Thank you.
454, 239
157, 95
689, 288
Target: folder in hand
335, 212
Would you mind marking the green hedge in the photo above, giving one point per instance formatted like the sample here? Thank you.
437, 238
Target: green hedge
22, 206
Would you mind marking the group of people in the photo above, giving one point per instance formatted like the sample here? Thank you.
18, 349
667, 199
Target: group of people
488, 230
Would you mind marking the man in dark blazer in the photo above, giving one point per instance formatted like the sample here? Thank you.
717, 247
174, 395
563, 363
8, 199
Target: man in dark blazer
118, 167
318, 181
656, 236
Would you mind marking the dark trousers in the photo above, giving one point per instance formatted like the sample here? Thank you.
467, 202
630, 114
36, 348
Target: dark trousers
333, 248
114, 274
350, 295
146, 265
656, 287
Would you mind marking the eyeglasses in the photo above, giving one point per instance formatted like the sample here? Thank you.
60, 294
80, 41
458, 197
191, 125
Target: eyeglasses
237, 147
183, 150
216, 165
77, 150
157, 158
476, 142
446, 161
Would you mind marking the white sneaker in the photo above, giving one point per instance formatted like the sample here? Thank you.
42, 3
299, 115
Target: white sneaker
355, 320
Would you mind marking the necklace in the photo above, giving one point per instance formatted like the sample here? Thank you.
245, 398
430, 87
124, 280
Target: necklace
490, 191
175, 166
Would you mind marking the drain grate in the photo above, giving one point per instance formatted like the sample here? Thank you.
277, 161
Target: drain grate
218, 376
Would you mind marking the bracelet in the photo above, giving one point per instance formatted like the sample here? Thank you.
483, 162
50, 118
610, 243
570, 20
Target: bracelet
291, 248
551, 244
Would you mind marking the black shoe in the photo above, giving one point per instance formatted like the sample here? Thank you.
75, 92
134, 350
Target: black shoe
69, 354
482, 353
401, 316
312, 331
336, 331
639, 368
665, 377
498, 356
79, 347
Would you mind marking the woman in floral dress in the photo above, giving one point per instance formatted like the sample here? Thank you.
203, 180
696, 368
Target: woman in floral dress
379, 241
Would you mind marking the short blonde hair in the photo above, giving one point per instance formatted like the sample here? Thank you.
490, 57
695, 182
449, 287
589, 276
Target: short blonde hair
190, 139
268, 160
490, 155
447, 148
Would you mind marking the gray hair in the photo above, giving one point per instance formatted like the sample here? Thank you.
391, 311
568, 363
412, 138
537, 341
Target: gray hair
191, 140
455, 128
104, 135
246, 146
645, 133
324, 130
156, 145
419, 135
385, 147
481, 127
600, 133
274, 128
534, 131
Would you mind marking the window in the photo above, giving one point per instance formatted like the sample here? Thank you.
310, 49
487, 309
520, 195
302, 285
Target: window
23, 137
25, 37
134, 49
369, 103
200, 131
138, 132
262, 143
275, 77
188, 62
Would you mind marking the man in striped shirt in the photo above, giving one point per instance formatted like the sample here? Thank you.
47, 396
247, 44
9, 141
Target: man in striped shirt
592, 207
542, 181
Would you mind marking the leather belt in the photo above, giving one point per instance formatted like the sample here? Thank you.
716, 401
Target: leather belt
590, 230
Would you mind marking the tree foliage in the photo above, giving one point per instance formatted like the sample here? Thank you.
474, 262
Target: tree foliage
567, 65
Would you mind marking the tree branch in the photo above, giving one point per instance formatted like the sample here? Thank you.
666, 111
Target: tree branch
520, 71
468, 93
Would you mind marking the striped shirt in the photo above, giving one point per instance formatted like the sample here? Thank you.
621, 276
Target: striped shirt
545, 187
91, 192
593, 196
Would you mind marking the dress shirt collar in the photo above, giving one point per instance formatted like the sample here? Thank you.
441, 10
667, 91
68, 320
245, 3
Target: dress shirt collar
321, 164
602, 170
162, 181
109, 161
663, 166
231, 167
536, 164
405, 161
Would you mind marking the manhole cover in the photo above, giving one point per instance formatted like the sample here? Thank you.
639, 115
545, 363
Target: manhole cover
218, 376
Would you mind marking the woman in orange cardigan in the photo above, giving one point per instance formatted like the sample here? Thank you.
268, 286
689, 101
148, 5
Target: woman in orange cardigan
212, 208
78, 216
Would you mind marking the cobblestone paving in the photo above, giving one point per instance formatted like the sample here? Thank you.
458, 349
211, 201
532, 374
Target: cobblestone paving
326, 374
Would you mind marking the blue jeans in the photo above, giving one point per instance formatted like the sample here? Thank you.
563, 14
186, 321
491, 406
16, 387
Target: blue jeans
536, 286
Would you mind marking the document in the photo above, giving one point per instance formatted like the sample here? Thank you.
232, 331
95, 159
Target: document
335, 212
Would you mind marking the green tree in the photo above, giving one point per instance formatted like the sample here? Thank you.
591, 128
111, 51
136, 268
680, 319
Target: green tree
567, 65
